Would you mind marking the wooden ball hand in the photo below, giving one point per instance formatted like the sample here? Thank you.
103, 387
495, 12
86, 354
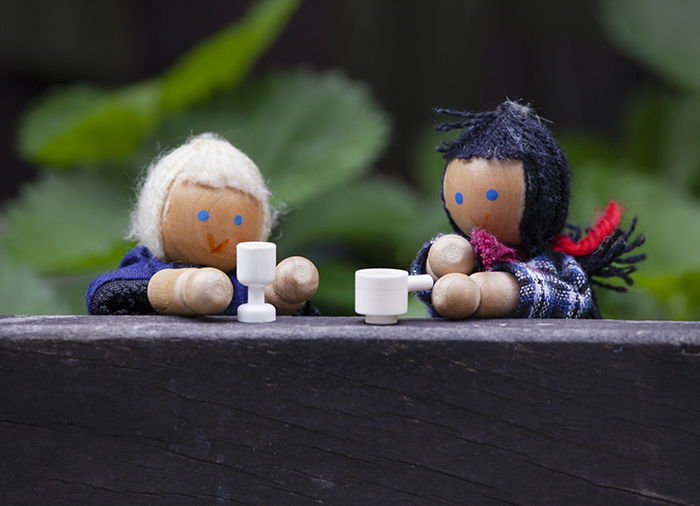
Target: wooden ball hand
450, 253
296, 280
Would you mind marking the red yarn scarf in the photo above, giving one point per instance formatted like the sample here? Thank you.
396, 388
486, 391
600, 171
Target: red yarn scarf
604, 226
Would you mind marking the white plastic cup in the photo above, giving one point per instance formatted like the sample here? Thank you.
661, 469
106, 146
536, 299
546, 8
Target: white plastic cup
255, 268
382, 294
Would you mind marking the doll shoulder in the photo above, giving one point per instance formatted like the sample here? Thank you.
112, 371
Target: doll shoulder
123, 291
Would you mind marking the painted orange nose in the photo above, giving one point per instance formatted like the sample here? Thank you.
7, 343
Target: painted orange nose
213, 247
483, 223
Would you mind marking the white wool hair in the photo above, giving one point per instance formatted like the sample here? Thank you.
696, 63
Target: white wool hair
207, 159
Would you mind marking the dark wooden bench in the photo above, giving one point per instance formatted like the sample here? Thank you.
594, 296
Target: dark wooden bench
166, 410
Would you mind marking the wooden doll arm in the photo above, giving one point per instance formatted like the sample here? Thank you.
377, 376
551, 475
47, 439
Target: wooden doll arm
190, 291
450, 253
482, 295
296, 281
500, 293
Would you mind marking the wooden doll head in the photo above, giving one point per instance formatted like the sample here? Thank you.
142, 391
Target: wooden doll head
486, 193
202, 225
505, 173
198, 201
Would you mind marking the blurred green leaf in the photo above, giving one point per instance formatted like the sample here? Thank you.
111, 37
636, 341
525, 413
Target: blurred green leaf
371, 216
416, 309
428, 163
582, 147
638, 303
223, 60
680, 156
664, 35
660, 137
679, 293
645, 121
307, 132
68, 222
83, 124
430, 220
336, 291
23, 292
72, 288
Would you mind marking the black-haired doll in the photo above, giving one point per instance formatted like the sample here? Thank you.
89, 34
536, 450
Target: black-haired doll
506, 193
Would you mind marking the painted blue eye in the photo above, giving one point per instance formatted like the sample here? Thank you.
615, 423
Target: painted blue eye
459, 198
492, 194
203, 215
238, 219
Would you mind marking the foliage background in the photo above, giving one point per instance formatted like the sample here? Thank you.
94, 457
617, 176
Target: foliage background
352, 162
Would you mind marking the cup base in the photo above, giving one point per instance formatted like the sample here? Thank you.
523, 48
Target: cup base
256, 313
381, 319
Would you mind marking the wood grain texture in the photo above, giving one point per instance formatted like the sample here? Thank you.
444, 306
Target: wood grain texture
171, 410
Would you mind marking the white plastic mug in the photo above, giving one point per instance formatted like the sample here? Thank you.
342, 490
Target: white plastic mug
382, 294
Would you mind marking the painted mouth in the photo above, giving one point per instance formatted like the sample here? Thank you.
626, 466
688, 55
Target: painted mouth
216, 248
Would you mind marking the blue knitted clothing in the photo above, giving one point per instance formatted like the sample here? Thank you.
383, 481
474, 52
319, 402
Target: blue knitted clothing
124, 291
552, 285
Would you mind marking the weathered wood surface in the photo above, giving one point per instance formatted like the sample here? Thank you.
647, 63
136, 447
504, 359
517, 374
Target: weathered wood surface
168, 410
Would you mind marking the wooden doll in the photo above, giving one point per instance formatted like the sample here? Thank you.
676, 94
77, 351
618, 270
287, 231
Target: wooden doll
195, 205
506, 193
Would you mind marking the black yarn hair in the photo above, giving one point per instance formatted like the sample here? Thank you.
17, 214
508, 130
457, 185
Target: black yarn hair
607, 260
514, 131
